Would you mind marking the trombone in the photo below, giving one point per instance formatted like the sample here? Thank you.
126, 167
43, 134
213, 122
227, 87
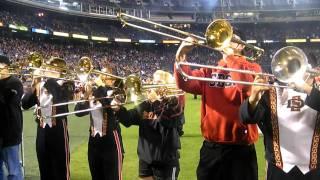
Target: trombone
14, 69
136, 91
288, 65
81, 111
86, 68
38, 66
133, 91
218, 35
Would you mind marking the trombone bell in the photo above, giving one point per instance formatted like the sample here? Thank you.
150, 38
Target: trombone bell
84, 68
133, 89
219, 34
35, 59
289, 64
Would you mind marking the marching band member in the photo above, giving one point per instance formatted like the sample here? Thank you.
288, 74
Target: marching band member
160, 77
159, 141
105, 151
52, 143
228, 144
290, 122
11, 91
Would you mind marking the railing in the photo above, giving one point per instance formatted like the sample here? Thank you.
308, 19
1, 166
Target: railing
82, 9
109, 11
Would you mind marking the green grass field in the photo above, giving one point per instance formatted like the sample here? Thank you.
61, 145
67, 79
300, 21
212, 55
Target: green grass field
78, 130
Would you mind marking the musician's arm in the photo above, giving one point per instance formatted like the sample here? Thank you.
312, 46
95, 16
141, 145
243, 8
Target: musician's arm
172, 113
191, 86
82, 106
252, 114
128, 117
313, 99
29, 99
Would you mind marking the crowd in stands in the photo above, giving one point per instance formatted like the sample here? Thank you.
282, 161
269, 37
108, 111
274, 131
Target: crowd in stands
95, 27
124, 60
141, 59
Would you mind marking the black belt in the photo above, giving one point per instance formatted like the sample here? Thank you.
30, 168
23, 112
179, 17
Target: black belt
220, 145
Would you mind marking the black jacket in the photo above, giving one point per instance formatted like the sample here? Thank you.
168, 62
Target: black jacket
11, 121
159, 140
60, 93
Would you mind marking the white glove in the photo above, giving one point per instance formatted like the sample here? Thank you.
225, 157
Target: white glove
109, 93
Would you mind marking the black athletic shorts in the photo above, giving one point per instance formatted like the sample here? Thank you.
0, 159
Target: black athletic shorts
160, 171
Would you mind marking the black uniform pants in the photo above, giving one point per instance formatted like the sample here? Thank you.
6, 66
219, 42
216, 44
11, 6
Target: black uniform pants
53, 154
227, 162
105, 157
275, 173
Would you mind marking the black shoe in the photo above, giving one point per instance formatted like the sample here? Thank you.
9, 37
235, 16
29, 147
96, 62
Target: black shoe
181, 133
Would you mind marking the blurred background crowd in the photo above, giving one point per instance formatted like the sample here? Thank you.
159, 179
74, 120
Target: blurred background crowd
141, 59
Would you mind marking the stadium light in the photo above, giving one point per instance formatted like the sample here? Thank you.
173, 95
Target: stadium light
147, 41
79, 36
170, 41
252, 41
122, 40
21, 28
314, 40
1, 24
63, 34
250, 13
40, 31
268, 41
99, 38
296, 40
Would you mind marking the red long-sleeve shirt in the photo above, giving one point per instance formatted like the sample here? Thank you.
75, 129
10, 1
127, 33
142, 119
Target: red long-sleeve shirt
221, 101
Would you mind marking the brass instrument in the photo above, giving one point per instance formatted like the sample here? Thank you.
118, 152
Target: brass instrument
14, 69
164, 87
42, 68
35, 63
131, 91
218, 35
289, 64
85, 68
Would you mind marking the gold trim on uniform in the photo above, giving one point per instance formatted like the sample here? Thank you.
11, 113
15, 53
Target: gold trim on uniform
54, 112
315, 145
275, 128
104, 123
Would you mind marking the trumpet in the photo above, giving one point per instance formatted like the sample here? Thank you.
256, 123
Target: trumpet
218, 35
